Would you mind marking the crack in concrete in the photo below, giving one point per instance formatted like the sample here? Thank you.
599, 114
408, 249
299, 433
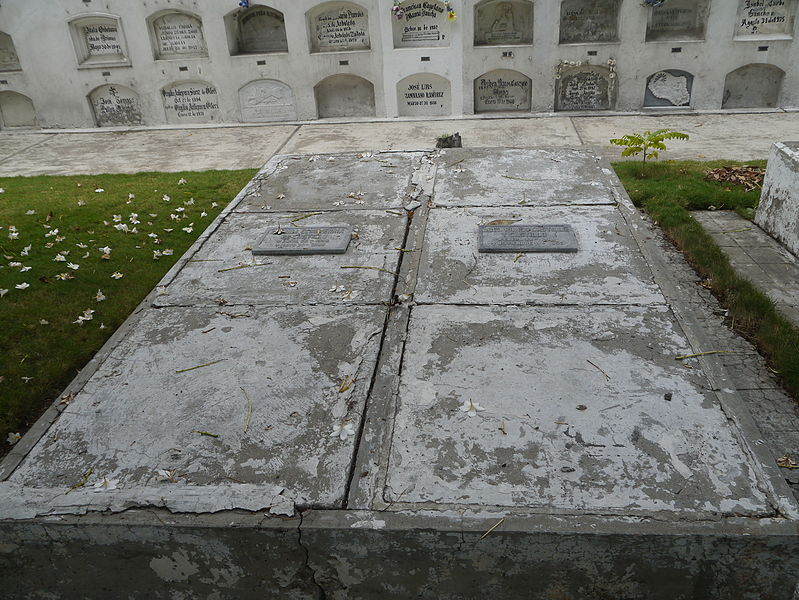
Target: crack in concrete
307, 561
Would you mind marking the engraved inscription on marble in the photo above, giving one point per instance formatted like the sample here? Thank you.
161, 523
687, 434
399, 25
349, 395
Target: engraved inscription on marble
423, 24
191, 102
339, 26
766, 18
261, 30
115, 105
584, 88
500, 22
585, 21
305, 240
669, 88
102, 39
424, 94
267, 100
9, 61
179, 34
527, 238
678, 20
502, 90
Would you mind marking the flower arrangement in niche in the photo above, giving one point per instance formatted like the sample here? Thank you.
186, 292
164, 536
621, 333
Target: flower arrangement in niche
451, 16
397, 11
244, 3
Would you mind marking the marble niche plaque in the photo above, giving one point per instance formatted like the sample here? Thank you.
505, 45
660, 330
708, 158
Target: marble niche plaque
267, 100
502, 90
669, 88
423, 24
339, 26
178, 35
9, 61
584, 88
424, 94
677, 20
500, 22
261, 30
115, 105
589, 21
295, 241
102, 40
191, 102
527, 238
766, 18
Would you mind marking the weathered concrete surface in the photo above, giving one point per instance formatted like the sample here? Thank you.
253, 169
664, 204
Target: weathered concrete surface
755, 255
634, 475
778, 209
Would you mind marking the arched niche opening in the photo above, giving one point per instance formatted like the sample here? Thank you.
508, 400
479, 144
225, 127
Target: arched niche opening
115, 105
177, 34
421, 24
589, 21
502, 90
9, 61
191, 102
259, 29
345, 96
753, 86
503, 22
16, 110
338, 26
265, 100
99, 41
424, 95
678, 20
669, 88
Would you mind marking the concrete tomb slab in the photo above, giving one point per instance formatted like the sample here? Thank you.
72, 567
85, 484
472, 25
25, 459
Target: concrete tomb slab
607, 269
224, 270
304, 241
527, 238
580, 411
115, 106
503, 22
502, 90
260, 412
778, 209
530, 177
421, 25
339, 26
589, 21
335, 182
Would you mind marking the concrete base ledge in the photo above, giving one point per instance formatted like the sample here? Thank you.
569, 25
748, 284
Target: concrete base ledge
359, 554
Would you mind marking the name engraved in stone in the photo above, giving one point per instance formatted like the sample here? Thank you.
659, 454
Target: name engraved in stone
527, 238
305, 240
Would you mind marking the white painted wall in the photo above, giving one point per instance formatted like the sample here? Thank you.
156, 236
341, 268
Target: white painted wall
59, 87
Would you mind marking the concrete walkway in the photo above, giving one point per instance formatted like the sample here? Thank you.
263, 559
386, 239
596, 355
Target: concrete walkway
69, 152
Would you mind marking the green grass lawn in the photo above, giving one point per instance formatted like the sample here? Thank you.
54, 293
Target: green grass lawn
70, 245
667, 191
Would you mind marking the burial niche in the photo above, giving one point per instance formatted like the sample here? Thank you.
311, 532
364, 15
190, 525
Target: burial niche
669, 88
422, 24
765, 19
503, 22
337, 26
753, 86
589, 21
258, 29
115, 105
191, 102
585, 87
178, 35
9, 61
98, 41
424, 94
502, 90
16, 110
266, 100
677, 20
345, 96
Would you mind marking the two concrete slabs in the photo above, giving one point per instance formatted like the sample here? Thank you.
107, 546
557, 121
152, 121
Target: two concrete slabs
412, 417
